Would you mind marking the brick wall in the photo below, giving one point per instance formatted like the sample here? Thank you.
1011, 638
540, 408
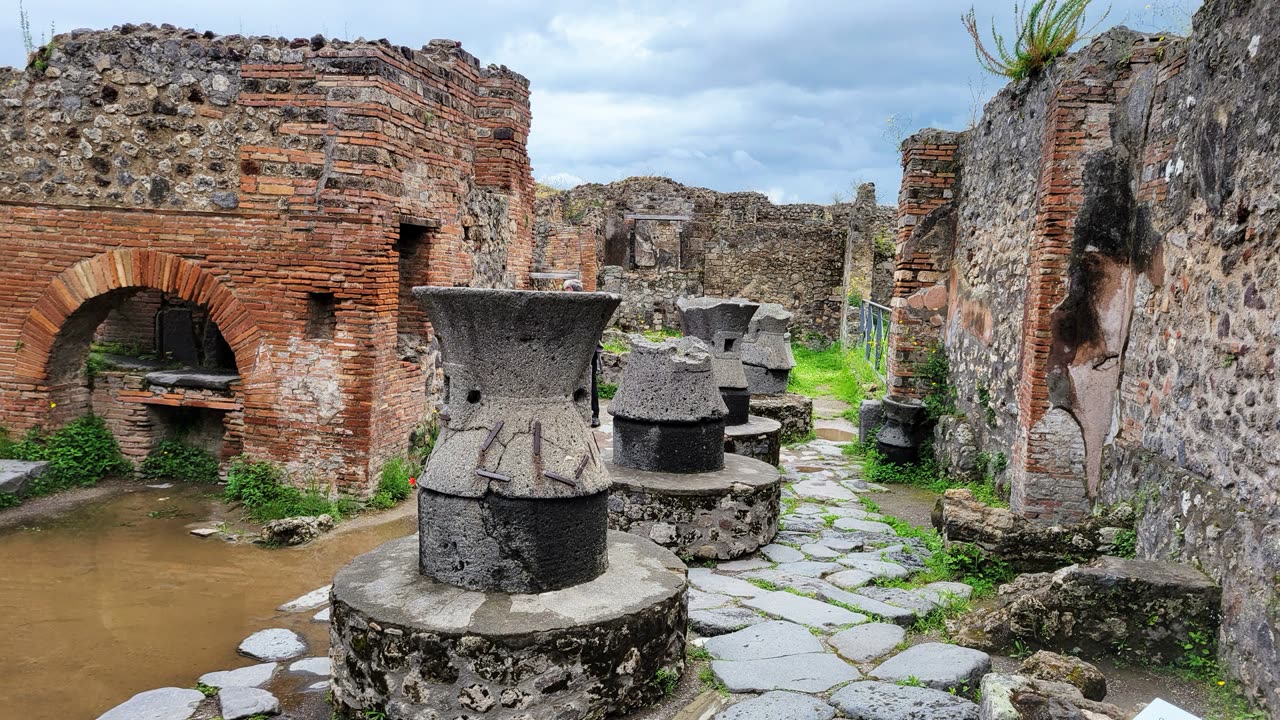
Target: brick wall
252, 176
1109, 325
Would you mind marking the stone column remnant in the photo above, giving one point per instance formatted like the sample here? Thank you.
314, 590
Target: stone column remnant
721, 324
514, 497
766, 350
668, 413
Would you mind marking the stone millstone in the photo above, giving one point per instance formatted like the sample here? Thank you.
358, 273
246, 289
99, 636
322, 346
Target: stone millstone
721, 324
668, 413
712, 515
766, 350
515, 495
755, 437
419, 648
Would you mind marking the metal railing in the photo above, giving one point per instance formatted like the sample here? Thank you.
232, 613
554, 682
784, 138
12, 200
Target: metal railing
873, 334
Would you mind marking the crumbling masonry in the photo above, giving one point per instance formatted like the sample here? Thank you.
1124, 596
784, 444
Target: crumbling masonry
292, 192
1097, 261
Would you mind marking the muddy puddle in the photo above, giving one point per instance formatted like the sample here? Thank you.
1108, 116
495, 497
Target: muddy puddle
116, 596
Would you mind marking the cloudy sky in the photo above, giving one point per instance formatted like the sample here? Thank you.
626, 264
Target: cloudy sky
798, 99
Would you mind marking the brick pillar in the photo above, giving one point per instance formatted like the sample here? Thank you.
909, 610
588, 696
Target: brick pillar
925, 233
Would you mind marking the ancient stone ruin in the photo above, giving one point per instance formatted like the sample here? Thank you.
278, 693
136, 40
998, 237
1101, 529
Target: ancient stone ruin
766, 350
256, 206
514, 566
672, 480
722, 325
654, 241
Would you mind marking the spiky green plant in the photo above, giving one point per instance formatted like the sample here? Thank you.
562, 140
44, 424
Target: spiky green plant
1047, 29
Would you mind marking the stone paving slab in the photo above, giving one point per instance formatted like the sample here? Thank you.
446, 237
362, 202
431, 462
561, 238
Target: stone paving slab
251, 676
699, 600
718, 621
310, 601
243, 702
878, 568
779, 705
902, 598
273, 644
169, 703
809, 568
887, 701
941, 592
850, 523
781, 553
819, 552
812, 673
773, 639
805, 611
822, 490
850, 579
938, 665
864, 643
707, 581
742, 565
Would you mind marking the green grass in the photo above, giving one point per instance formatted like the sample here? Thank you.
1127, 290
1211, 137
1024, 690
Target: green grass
834, 372
922, 474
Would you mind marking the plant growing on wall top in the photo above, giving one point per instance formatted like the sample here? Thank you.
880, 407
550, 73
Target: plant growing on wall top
1047, 29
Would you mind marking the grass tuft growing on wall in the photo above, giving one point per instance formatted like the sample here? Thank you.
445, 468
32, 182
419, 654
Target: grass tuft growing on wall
1047, 30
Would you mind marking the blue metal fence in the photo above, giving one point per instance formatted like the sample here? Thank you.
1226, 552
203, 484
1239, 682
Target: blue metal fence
873, 334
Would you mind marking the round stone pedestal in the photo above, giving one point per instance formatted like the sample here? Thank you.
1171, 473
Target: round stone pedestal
412, 648
719, 515
758, 437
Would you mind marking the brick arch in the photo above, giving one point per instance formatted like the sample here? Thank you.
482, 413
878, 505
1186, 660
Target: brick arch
124, 269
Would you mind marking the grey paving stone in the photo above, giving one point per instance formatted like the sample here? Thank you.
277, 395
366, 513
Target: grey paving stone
313, 666
878, 568
707, 581
779, 705
841, 542
252, 676
736, 566
243, 702
322, 616
781, 553
810, 509
809, 568
773, 639
865, 643
169, 703
892, 613
902, 598
699, 600
812, 673
846, 511
849, 579
310, 601
887, 701
940, 592
822, 490
803, 610
781, 579
803, 524
938, 665
273, 644
819, 552
718, 621
787, 537
849, 523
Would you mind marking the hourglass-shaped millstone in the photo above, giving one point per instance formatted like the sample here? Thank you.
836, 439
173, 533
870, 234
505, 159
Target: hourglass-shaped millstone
668, 415
721, 324
766, 350
514, 497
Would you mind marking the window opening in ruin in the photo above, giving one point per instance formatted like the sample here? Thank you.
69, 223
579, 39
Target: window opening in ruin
322, 317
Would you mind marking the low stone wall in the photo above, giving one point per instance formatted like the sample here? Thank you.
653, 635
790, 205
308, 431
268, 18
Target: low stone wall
793, 412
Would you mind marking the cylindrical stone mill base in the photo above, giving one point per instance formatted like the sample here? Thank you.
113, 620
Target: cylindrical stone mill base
758, 437
669, 447
718, 515
738, 400
411, 648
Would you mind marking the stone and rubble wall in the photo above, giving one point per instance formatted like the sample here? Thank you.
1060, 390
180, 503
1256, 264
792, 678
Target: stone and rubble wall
273, 182
1109, 320
657, 241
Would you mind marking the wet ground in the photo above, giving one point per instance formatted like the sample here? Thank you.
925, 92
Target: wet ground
114, 596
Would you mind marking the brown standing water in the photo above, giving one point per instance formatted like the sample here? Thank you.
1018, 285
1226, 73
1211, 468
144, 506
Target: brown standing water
116, 596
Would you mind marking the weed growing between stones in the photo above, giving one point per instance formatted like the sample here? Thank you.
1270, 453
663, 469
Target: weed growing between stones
395, 483
708, 678
666, 680
607, 390
79, 454
175, 460
935, 374
206, 690
260, 487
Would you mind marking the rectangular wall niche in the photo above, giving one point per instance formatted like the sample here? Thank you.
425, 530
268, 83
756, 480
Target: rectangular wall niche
411, 319
322, 318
